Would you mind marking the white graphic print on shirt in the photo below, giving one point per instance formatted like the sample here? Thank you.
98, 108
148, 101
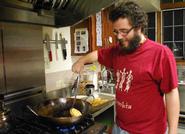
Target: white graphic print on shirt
124, 76
124, 105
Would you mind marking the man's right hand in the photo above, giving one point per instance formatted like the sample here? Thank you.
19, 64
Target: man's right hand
78, 67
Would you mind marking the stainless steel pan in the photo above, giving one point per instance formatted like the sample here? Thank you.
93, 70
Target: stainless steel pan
57, 110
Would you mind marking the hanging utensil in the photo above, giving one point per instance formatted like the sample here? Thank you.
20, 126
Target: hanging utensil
56, 45
47, 39
63, 46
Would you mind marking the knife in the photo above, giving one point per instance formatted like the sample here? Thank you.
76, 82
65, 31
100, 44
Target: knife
56, 45
63, 46
47, 38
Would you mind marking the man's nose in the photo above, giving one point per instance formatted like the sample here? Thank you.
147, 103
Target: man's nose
119, 36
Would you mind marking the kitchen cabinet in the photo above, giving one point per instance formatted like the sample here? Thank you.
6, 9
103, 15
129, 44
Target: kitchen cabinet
107, 33
171, 4
108, 37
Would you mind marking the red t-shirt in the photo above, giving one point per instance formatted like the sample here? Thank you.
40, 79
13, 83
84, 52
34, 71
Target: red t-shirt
142, 78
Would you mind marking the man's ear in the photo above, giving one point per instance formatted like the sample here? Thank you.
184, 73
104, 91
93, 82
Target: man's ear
137, 29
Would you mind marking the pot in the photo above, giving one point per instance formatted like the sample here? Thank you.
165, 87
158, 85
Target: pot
57, 110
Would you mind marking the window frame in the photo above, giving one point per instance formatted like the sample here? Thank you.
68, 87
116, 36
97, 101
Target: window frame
174, 27
153, 27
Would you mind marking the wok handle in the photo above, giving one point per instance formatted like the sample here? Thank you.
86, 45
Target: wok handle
32, 110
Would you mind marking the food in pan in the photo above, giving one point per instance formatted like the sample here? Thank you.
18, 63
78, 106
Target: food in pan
75, 112
97, 101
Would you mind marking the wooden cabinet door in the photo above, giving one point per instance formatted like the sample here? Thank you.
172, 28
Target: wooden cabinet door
108, 37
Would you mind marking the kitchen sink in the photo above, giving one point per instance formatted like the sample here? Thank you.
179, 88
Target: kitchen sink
98, 109
107, 96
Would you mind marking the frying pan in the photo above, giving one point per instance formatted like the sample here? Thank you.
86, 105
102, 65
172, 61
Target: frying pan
57, 110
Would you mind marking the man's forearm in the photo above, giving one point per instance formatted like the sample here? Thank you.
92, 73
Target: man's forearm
173, 108
89, 58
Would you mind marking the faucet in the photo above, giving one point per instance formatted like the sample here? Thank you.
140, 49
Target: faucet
104, 74
106, 83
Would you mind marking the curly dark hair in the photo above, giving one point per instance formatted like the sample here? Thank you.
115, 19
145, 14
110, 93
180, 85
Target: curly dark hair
135, 14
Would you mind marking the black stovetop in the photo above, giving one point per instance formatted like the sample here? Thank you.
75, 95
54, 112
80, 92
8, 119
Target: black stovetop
19, 125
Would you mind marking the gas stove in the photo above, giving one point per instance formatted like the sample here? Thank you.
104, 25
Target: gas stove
21, 121
18, 125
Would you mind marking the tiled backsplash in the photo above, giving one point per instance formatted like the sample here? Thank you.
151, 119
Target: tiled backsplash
58, 80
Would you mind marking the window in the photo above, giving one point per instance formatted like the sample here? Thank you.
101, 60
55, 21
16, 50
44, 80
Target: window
151, 26
174, 31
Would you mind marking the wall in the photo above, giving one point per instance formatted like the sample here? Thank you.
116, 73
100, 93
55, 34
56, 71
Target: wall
57, 64
58, 71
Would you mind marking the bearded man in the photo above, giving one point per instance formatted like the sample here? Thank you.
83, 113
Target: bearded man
145, 72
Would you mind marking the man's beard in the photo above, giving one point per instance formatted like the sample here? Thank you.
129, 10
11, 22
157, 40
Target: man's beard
132, 46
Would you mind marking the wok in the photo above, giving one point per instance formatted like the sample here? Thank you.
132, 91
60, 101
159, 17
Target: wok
57, 110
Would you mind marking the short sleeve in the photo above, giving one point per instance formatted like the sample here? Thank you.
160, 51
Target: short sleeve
167, 71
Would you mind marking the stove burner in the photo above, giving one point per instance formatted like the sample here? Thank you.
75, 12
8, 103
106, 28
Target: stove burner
19, 126
76, 128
